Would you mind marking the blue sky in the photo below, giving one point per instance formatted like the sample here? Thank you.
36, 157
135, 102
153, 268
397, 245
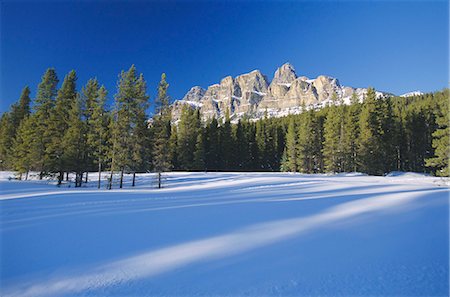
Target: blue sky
392, 46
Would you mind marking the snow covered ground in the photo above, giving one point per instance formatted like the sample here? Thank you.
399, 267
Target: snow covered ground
227, 234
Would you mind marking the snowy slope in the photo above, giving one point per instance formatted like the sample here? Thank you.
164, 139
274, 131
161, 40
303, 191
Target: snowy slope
413, 93
228, 234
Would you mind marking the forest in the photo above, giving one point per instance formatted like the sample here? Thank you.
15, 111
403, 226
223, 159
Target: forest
64, 131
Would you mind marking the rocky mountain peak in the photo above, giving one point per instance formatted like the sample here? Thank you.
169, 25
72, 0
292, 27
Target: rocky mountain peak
284, 74
195, 94
252, 94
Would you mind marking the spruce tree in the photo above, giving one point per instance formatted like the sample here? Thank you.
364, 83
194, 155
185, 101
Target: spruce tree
58, 125
333, 145
129, 128
98, 135
226, 143
20, 109
308, 144
441, 141
161, 131
370, 150
212, 145
74, 142
289, 161
44, 104
22, 146
199, 153
6, 140
351, 132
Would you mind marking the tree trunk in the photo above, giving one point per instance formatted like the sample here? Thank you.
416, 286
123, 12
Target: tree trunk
20, 176
80, 179
111, 175
99, 173
134, 179
26, 175
121, 179
159, 180
41, 175
86, 179
60, 177
67, 176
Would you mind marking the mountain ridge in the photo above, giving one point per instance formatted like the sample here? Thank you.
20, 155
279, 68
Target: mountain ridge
253, 95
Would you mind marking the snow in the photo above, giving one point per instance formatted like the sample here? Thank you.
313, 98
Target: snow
413, 93
191, 103
259, 93
285, 84
227, 234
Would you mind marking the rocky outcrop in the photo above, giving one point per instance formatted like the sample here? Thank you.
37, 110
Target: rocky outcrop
251, 94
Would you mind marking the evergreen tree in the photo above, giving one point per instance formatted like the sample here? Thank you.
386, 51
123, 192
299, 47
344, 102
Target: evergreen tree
351, 132
226, 144
333, 146
308, 144
58, 125
199, 154
162, 129
129, 132
370, 150
22, 146
21, 109
240, 148
6, 140
212, 145
289, 161
188, 129
44, 104
97, 120
74, 142
441, 142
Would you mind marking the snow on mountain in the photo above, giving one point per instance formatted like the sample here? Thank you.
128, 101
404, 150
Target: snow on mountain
410, 94
251, 94
227, 234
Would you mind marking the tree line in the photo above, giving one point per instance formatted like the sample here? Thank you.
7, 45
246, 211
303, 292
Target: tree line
66, 131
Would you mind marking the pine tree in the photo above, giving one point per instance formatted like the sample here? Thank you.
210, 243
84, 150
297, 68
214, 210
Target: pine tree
351, 133
162, 129
240, 148
308, 144
333, 146
22, 146
188, 129
6, 140
212, 145
44, 104
289, 161
21, 109
129, 128
199, 154
226, 143
370, 150
440, 160
74, 142
97, 120
58, 124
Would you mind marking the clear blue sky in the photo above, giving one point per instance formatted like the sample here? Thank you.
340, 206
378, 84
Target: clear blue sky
393, 46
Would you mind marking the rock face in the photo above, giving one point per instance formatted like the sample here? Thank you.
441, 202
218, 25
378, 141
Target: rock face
251, 95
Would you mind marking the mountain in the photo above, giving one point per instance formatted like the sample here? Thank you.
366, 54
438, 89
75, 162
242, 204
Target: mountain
413, 93
253, 95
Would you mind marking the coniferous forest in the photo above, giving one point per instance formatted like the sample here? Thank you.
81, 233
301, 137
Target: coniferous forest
65, 131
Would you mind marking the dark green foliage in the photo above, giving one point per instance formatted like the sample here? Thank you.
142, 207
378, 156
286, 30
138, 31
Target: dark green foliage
74, 132
44, 104
58, 123
441, 137
129, 128
162, 154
